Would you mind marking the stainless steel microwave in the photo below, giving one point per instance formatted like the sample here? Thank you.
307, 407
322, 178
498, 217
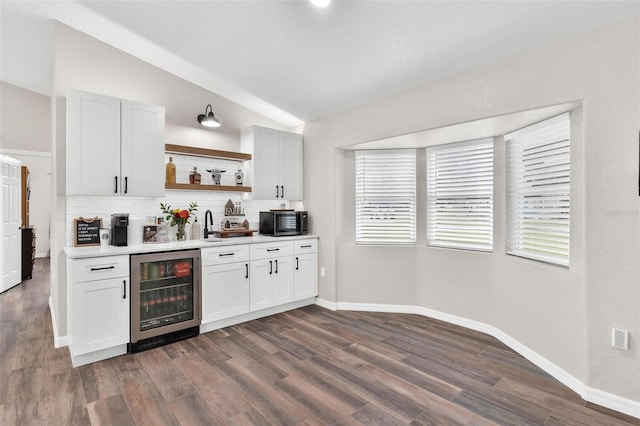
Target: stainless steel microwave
278, 223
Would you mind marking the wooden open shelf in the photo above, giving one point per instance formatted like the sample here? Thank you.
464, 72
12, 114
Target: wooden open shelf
202, 152
195, 187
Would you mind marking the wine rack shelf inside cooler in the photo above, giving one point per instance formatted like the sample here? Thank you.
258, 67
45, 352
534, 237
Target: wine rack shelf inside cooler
165, 304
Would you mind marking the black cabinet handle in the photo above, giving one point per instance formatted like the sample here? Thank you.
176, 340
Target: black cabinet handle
103, 268
126, 184
124, 289
226, 254
297, 263
277, 192
270, 267
275, 249
306, 246
115, 190
276, 265
246, 267
282, 190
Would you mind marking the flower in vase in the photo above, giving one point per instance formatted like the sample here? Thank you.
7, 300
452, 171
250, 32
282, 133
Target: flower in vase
178, 217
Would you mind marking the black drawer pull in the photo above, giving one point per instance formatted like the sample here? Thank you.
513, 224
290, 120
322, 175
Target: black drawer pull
103, 268
275, 249
226, 254
306, 246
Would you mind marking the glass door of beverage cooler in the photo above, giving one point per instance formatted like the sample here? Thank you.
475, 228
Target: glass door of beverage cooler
165, 293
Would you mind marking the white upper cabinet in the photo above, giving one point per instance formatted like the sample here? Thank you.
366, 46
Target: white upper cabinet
275, 170
114, 147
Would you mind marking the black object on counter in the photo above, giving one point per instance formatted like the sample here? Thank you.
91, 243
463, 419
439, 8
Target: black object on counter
119, 224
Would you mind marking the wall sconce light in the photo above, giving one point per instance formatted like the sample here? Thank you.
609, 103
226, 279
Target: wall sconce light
208, 119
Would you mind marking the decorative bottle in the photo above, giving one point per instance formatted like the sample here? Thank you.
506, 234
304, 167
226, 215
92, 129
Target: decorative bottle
194, 176
195, 229
170, 174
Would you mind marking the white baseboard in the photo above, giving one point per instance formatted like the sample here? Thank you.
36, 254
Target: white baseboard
58, 341
326, 304
595, 396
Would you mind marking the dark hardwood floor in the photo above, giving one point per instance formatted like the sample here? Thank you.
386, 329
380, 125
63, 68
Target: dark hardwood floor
310, 366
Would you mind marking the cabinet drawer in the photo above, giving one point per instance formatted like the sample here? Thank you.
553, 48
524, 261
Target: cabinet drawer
99, 268
269, 250
305, 246
226, 254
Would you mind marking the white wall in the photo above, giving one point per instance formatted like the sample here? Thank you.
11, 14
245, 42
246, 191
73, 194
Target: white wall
565, 316
29, 141
25, 118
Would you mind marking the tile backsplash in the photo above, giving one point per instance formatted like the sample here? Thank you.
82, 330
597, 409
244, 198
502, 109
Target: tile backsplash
139, 207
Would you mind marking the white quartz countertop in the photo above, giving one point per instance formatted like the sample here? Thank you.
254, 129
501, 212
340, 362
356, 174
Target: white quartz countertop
99, 251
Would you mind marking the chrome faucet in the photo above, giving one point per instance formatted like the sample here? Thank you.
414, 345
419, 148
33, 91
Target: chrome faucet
207, 217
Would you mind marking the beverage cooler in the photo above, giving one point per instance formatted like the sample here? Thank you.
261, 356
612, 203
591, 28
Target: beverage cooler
165, 298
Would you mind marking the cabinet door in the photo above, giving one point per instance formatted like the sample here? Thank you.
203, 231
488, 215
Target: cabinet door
261, 272
225, 291
93, 144
266, 164
291, 166
100, 317
282, 281
142, 150
305, 276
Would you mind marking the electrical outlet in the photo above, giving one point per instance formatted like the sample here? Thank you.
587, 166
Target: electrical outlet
322, 271
620, 338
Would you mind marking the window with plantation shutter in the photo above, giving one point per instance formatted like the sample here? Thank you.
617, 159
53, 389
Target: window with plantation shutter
386, 196
538, 191
460, 195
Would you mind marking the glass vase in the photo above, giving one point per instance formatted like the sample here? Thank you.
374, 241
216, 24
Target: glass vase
181, 235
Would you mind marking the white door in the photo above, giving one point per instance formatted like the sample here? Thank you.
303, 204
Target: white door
305, 276
93, 144
282, 287
291, 166
261, 281
225, 291
142, 150
100, 317
266, 164
11, 236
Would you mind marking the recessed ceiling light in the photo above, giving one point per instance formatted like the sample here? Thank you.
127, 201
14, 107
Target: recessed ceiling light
321, 3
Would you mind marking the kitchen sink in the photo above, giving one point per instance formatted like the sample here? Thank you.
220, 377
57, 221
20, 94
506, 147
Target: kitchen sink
214, 240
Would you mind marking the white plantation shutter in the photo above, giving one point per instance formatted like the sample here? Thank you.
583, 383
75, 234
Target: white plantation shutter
538, 191
460, 195
386, 196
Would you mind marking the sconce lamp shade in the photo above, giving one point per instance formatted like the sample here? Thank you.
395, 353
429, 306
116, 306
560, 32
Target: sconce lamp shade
208, 119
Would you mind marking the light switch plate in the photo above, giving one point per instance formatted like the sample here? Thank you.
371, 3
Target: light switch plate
620, 338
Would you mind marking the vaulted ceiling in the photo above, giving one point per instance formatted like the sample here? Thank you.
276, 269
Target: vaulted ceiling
291, 61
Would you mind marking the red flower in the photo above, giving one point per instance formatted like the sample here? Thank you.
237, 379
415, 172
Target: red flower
184, 214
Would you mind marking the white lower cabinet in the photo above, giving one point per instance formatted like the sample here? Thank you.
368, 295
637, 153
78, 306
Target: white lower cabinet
225, 291
271, 282
225, 282
99, 310
271, 269
305, 275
